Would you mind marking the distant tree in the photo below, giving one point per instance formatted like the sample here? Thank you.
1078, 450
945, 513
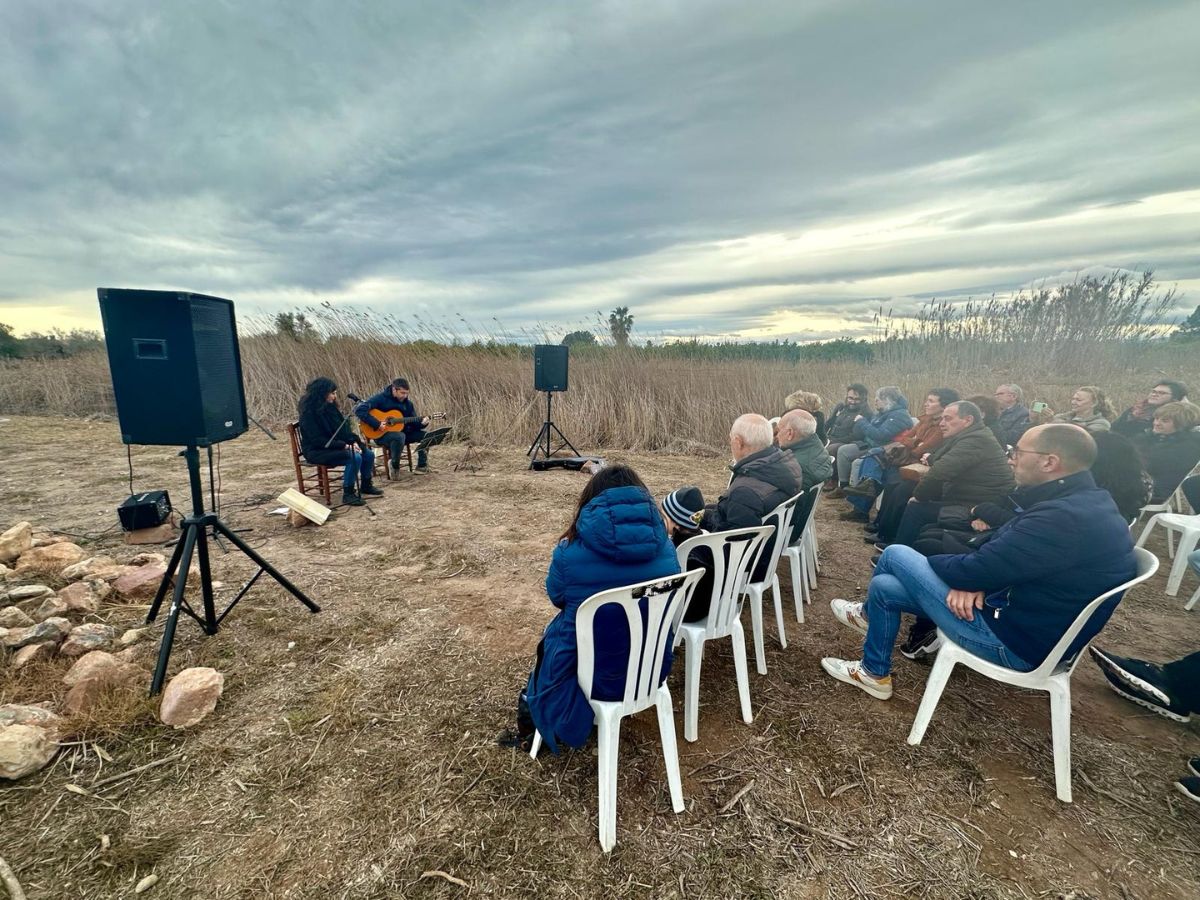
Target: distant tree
1189, 328
294, 325
10, 345
620, 323
580, 339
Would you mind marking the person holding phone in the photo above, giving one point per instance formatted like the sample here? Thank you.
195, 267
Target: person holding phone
1089, 409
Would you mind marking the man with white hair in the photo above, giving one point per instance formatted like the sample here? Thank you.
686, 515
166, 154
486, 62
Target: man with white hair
763, 477
797, 435
1013, 420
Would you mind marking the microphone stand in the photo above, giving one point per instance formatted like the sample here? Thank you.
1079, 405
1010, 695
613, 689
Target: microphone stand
350, 449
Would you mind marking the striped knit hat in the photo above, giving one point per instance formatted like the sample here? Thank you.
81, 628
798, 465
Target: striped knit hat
685, 506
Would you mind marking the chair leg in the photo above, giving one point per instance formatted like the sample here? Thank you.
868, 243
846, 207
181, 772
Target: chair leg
691, 686
536, 746
1191, 604
779, 610
1146, 529
942, 668
738, 636
666, 730
799, 573
608, 722
756, 625
814, 560
1187, 543
1060, 733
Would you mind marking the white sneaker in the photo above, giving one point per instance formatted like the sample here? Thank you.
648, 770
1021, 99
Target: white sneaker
851, 614
852, 672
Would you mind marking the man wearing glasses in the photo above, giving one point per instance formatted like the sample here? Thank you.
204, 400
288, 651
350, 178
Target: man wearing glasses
1014, 598
1014, 415
1139, 418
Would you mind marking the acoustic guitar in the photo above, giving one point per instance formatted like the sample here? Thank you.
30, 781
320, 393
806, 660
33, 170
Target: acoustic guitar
392, 422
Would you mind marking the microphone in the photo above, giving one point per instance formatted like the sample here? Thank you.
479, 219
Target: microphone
354, 398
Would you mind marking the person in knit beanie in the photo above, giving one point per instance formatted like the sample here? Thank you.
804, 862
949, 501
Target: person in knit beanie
682, 511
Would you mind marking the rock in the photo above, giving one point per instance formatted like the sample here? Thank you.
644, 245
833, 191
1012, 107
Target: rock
30, 714
27, 592
133, 636
296, 520
53, 558
105, 680
24, 749
83, 596
86, 638
190, 696
15, 541
149, 559
159, 534
133, 654
50, 607
89, 664
49, 632
14, 618
50, 539
33, 653
140, 583
92, 567
4, 570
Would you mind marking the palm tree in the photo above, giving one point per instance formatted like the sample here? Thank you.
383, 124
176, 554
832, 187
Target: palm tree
620, 323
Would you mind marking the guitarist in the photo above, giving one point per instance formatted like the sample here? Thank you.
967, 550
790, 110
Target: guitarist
394, 398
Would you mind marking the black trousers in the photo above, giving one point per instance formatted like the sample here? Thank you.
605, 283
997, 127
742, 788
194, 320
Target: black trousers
917, 516
1184, 677
891, 508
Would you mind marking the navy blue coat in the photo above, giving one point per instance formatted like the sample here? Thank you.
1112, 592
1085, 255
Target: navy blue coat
386, 402
621, 540
1067, 545
883, 426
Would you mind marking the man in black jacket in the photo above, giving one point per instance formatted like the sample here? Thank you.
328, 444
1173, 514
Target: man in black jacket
1013, 420
763, 477
839, 427
394, 399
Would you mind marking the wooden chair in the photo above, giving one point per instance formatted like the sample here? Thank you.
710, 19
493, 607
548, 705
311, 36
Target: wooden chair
316, 482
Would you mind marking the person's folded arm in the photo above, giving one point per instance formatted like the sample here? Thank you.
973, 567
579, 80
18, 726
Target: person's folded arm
1034, 546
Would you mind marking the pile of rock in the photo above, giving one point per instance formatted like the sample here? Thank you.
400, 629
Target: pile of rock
40, 623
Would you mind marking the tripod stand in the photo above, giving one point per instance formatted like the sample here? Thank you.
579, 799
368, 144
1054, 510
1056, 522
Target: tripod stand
196, 530
545, 436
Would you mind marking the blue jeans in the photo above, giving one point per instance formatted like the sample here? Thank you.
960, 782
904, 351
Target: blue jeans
869, 467
905, 583
363, 462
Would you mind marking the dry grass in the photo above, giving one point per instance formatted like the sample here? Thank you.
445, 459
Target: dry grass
361, 759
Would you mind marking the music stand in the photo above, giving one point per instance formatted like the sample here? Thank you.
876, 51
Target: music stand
432, 439
472, 460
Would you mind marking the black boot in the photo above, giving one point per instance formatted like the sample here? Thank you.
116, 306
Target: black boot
351, 498
368, 488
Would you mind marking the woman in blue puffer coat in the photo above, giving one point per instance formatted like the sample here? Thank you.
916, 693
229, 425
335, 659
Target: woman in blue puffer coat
616, 538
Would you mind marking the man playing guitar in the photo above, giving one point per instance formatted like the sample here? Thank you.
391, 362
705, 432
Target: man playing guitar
394, 399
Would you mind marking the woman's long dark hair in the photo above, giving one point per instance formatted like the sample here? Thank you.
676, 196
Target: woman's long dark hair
610, 477
314, 395
1118, 470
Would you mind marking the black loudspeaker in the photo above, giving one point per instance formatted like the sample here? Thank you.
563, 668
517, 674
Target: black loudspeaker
550, 367
176, 367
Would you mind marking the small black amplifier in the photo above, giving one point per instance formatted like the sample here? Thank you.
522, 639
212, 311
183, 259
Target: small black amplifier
144, 510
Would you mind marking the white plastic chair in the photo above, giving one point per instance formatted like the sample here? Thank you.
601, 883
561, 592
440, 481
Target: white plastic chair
802, 558
734, 553
1189, 535
666, 599
1053, 676
781, 518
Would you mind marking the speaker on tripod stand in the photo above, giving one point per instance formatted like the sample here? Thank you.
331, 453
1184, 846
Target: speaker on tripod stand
177, 380
550, 365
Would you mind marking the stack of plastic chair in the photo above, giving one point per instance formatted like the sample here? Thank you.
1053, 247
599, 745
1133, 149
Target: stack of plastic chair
781, 519
802, 555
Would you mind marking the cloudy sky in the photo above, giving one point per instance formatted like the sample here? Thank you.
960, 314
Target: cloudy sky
745, 169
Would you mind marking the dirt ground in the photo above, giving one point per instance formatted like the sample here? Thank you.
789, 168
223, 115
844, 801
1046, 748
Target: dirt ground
353, 754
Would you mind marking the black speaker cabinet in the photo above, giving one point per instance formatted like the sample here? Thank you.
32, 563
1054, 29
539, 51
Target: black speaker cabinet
550, 367
176, 367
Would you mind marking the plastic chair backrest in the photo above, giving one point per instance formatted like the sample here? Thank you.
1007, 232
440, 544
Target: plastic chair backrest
805, 510
733, 553
781, 519
1147, 565
647, 644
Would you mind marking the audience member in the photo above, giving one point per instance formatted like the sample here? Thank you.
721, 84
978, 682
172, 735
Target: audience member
797, 435
1013, 419
840, 426
1089, 409
891, 417
880, 465
811, 403
1067, 545
1171, 690
991, 415
616, 537
1172, 448
763, 477
1139, 418
682, 511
